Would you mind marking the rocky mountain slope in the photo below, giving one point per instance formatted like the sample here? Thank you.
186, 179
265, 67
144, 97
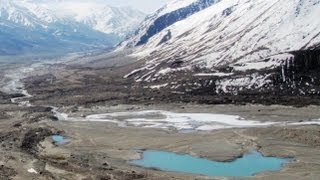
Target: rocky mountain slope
230, 47
45, 26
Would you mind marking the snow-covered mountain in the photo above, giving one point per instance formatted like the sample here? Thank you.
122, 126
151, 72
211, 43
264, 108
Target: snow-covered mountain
43, 25
173, 12
231, 45
103, 18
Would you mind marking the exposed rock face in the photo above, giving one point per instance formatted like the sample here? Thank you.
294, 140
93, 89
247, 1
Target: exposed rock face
168, 19
300, 74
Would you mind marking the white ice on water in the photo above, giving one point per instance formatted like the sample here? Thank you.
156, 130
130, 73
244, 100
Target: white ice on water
181, 121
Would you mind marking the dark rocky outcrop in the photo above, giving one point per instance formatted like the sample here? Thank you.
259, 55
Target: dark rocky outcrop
300, 75
33, 137
168, 19
306, 60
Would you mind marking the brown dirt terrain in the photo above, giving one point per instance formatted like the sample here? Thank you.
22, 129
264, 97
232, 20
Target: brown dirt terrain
99, 150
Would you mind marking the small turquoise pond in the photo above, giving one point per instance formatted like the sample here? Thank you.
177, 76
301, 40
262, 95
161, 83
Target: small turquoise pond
248, 165
60, 140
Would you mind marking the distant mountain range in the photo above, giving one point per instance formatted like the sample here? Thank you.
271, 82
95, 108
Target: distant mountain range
41, 26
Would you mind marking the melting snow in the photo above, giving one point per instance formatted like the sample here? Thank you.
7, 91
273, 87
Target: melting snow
159, 86
182, 121
219, 74
31, 170
254, 81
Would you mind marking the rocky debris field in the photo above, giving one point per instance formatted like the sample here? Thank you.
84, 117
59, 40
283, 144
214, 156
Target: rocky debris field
23, 129
70, 84
102, 150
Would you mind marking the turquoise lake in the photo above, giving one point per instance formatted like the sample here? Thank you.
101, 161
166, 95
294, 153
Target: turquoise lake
60, 140
248, 165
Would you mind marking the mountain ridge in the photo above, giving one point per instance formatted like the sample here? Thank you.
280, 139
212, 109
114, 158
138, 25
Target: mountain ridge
29, 23
232, 46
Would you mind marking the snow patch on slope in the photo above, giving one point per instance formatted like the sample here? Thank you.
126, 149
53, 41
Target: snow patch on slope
175, 5
254, 81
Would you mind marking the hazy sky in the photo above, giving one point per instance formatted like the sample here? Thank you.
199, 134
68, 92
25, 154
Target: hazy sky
147, 6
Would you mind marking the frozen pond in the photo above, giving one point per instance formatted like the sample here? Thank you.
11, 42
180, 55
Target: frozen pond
179, 121
248, 165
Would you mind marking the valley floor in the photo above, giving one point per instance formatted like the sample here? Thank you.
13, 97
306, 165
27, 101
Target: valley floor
101, 150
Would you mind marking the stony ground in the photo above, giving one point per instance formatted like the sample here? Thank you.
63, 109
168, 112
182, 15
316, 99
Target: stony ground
102, 150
